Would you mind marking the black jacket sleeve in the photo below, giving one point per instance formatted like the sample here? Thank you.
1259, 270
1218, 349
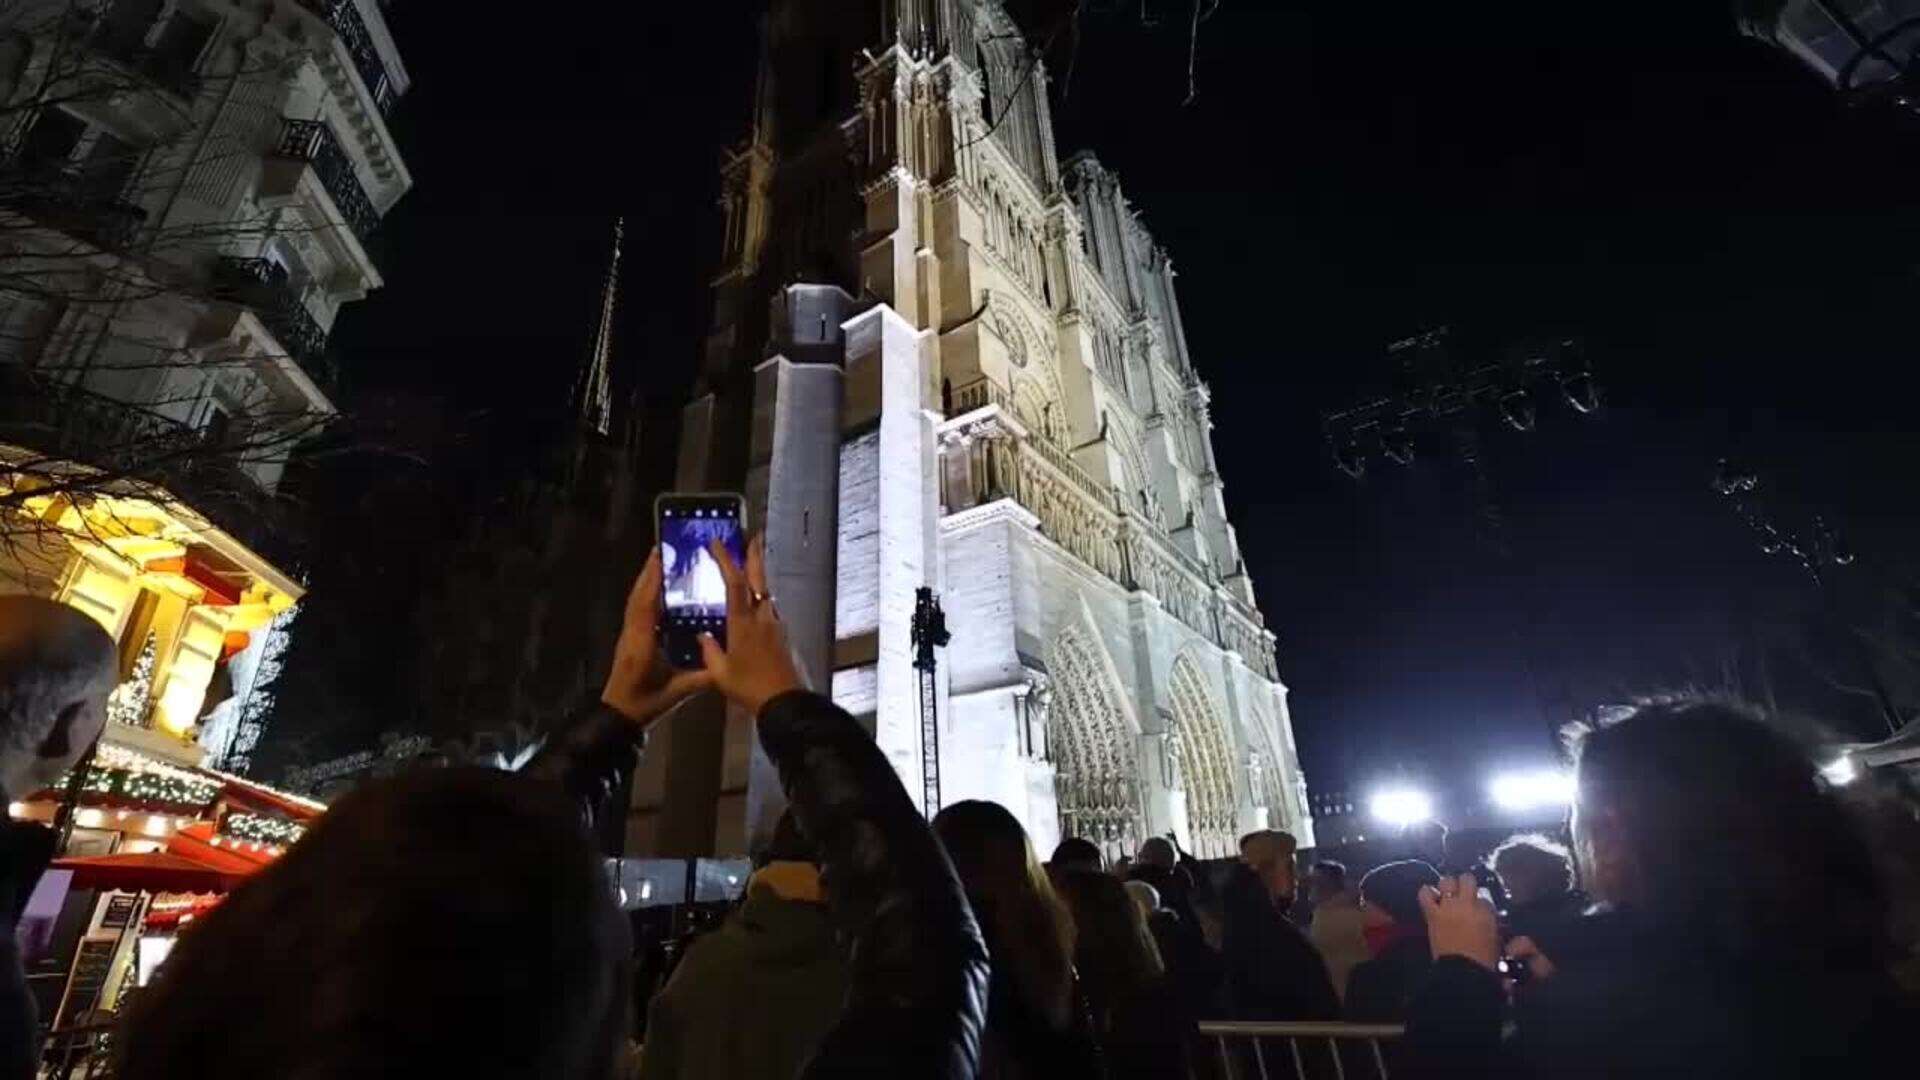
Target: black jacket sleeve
591, 758
917, 1003
1454, 1023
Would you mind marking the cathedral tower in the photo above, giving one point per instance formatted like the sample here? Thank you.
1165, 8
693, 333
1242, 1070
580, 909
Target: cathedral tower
942, 357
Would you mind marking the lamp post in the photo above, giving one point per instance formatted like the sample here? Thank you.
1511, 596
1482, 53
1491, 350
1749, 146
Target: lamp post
1866, 50
929, 633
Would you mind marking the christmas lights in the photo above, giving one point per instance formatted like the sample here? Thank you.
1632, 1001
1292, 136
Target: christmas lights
262, 829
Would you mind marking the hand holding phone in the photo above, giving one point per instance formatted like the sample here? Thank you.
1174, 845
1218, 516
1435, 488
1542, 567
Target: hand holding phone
755, 664
642, 685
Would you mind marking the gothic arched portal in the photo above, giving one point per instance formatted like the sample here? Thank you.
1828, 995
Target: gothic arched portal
1205, 757
1095, 782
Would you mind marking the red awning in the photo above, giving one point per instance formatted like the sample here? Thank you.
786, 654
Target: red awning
151, 871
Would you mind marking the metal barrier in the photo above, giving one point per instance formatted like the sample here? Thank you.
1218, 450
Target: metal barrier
80, 1052
1244, 1050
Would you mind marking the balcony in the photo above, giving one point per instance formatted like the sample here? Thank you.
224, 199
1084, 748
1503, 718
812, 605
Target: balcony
262, 287
313, 142
121, 31
82, 203
344, 17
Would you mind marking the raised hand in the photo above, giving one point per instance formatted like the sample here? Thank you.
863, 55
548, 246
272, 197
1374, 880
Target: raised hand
1461, 921
757, 665
642, 685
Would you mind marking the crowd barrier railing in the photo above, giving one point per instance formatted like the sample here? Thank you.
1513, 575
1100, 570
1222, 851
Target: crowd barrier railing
1240, 1050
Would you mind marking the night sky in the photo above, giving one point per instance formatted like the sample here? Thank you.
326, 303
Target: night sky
1735, 247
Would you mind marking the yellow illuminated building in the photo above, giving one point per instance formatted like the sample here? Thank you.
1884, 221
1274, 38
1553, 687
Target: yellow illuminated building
146, 567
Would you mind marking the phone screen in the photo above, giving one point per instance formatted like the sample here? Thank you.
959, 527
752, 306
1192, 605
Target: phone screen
695, 594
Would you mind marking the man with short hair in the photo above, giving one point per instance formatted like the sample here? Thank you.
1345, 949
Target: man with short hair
1538, 877
56, 669
1273, 971
1075, 853
1338, 928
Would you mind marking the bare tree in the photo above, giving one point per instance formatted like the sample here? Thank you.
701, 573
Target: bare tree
123, 379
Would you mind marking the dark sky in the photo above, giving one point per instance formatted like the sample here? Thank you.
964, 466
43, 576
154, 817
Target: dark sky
1733, 245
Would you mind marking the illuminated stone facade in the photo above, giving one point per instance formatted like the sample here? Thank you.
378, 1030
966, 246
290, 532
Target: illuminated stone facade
942, 357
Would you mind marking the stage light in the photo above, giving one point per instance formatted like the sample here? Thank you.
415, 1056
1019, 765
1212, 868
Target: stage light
1539, 789
1401, 807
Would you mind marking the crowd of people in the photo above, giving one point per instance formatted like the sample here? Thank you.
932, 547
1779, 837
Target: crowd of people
1720, 910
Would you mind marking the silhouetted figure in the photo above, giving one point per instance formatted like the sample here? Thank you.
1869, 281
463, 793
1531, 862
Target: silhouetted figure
1743, 931
56, 669
1337, 928
1272, 971
1396, 939
1073, 853
1036, 1022
1144, 1025
1537, 875
777, 951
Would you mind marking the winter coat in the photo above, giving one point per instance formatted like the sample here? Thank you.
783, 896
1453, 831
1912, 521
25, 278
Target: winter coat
1542, 920
1382, 988
24, 852
1631, 999
917, 987
1272, 971
775, 956
1337, 932
1149, 1034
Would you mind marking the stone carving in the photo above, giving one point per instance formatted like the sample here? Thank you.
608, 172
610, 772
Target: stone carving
1205, 757
1096, 782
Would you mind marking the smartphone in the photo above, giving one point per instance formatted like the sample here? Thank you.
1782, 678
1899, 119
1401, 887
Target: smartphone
693, 594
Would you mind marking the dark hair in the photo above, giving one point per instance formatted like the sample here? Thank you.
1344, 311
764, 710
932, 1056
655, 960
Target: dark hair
1395, 889
1532, 867
1114, 951
1428, 837
1029, 933
1728, 834
1076, 853
1334, 872
451, 922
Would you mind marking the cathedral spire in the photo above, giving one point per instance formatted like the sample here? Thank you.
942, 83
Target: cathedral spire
595, 393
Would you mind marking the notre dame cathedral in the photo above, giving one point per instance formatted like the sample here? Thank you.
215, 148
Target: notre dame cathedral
942, 357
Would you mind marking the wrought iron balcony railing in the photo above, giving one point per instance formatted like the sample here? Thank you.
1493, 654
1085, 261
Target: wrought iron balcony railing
345, 19
120, 34
313, 142
140, 450
63, 196
262, 286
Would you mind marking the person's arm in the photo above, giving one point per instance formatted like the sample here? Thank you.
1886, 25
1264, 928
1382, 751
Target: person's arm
916, 1002
1454, 1022
601, 744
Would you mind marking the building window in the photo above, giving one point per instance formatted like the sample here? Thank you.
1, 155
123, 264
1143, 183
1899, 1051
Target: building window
986, 84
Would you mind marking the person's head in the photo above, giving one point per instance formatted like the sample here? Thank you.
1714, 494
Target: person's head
1425, 841
1532, 868
1390, 899
1028, 930
1269, 853
57, 668
1156, 851
447, 922
1114, 951
1074, 853
1145, 896
1698, 814
1327, 879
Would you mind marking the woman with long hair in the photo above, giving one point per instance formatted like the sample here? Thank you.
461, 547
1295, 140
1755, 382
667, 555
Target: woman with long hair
1743, 924
1139, 1016
1036, 1024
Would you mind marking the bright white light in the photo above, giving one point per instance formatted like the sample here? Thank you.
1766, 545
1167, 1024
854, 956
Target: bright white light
1840, 771
1401, 806
1538, 790
90, 819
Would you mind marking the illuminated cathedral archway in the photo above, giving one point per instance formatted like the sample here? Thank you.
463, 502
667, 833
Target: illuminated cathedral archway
1205, 757
1096, 782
